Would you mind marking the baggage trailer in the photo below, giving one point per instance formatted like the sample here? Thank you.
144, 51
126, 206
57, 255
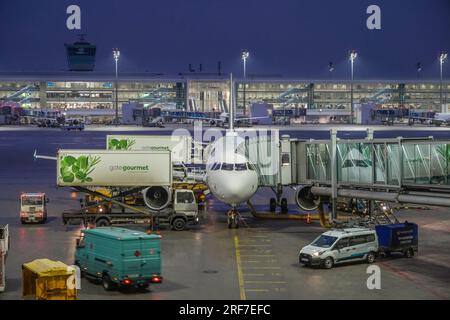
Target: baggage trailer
398, 237
4, 248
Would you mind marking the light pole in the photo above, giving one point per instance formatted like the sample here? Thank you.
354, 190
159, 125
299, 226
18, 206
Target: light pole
442, 58
244, 55
116, 55
353, 55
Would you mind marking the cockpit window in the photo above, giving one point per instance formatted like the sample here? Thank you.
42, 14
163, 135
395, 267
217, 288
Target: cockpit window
240, 167
228, 167
250, 166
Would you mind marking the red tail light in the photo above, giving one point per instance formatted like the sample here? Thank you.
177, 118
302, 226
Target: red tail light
156, 279
127, 282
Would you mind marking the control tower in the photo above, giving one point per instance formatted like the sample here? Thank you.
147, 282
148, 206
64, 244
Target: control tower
81, 55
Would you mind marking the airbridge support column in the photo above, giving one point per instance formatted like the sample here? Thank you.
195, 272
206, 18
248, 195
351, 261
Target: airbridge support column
333, 147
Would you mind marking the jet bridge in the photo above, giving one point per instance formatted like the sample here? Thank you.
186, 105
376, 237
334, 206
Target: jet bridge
395, 170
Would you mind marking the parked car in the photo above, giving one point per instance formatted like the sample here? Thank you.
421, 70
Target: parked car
338, 246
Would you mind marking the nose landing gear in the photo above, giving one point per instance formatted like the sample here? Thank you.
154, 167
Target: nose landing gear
233, 219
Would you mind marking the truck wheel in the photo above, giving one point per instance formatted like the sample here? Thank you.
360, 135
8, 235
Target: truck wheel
179, 224
103, 222
370, 257
273, 205
107, 284
284, 205
409, 253
328, 263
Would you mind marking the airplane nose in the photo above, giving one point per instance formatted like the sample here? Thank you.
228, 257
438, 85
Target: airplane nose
240, 189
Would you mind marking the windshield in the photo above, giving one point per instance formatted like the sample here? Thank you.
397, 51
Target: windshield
228, 167
32, 201
324, 241
240, 167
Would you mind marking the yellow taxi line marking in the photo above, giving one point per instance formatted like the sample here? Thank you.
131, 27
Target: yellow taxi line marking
239, 269
257, 290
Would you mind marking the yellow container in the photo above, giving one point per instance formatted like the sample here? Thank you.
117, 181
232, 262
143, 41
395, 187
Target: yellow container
44, 279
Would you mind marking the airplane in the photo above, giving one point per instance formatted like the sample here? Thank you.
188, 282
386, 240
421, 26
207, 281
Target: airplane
230, 176
440, 118
224, 118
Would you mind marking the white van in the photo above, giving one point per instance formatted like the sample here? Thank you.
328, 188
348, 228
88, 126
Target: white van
338, 246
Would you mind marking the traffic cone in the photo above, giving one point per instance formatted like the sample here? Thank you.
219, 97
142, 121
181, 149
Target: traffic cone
308, 219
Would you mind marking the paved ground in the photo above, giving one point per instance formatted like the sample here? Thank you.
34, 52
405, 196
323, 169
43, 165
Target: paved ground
211, 261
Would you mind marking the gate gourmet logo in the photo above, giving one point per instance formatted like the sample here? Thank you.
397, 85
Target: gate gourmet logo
129, 168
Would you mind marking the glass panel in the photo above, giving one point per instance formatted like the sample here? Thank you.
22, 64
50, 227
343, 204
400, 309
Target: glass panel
393, 166
422, 163
380, 163
355, 162
408, 165
439, 156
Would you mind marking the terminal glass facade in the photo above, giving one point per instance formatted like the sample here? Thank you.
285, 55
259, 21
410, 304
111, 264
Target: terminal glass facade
208, 95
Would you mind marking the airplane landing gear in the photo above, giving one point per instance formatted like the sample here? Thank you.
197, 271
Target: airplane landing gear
278, 201
233, 219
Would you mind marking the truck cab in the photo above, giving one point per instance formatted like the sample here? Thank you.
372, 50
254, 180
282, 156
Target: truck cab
185, 209
33, 208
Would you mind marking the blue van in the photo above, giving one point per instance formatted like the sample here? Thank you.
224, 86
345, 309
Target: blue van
119, 257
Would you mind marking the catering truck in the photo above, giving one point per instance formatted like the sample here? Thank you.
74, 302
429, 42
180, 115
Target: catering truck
139, 185
180, 146
4, 247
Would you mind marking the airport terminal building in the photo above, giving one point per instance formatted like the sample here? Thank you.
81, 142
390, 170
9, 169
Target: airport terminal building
94, 95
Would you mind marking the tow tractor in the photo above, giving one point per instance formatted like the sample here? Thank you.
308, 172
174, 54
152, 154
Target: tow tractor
33, 208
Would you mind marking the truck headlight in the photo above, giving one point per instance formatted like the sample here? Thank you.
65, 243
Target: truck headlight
315, 254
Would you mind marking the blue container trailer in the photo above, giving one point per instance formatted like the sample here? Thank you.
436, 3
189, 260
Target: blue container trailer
119, 257
398, 237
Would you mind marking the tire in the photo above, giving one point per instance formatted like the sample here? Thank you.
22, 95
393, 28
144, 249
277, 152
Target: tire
409, 253
371, 257
102, 222
230, 223
178, 224
328, 263
107, 284
273, 205
284, 205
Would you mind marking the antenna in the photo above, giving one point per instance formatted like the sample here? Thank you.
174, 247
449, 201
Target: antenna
231, 120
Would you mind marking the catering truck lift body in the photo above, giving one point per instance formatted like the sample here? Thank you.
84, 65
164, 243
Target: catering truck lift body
139, 184
4, 247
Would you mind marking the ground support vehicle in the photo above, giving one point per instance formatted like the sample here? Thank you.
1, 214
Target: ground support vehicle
33, 208
399, 237
119, 257
128, 207
339, 246
43, 279
4, 248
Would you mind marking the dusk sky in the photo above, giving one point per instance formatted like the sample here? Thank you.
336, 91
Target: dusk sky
290, 38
